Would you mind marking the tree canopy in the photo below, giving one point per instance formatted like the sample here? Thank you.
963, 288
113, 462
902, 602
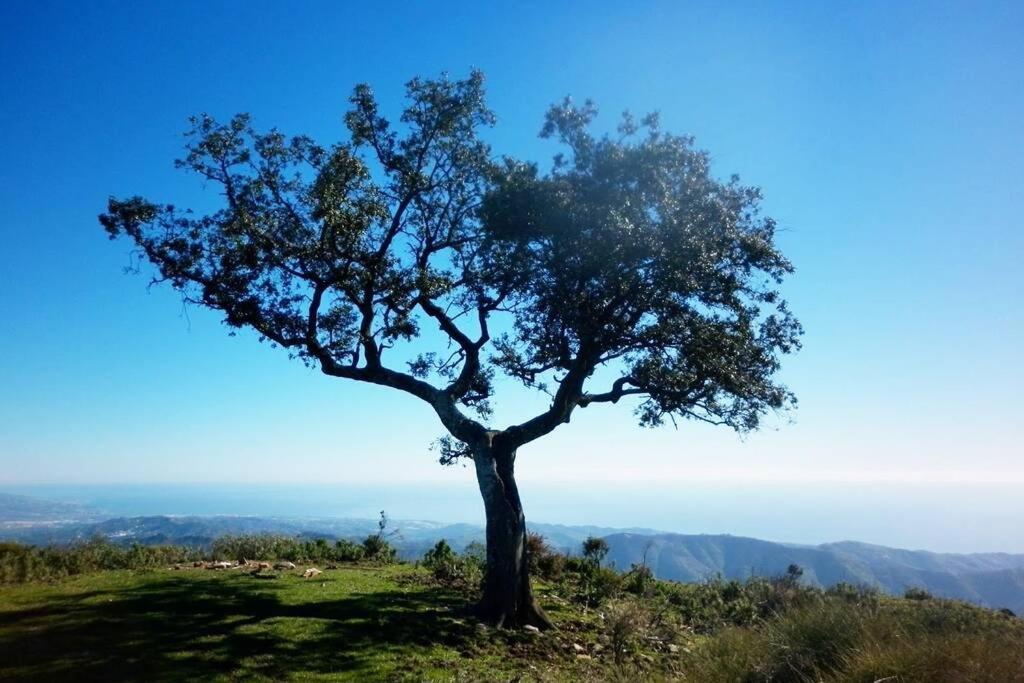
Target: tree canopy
625, 254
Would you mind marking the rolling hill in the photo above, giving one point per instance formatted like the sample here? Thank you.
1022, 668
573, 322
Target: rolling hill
989, 579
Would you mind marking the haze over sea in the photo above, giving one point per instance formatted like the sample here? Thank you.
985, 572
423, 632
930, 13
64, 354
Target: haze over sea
939, 516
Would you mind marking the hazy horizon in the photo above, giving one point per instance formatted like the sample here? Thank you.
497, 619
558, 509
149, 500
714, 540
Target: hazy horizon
935, 517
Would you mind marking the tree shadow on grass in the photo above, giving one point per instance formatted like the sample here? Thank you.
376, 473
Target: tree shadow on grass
172, 628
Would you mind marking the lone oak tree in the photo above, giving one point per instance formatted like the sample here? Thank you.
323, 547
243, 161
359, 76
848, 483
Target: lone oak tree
626, 256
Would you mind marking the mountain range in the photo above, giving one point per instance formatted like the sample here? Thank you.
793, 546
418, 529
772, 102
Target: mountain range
990, 579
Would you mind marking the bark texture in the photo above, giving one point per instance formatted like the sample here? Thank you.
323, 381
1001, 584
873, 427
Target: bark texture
508, 599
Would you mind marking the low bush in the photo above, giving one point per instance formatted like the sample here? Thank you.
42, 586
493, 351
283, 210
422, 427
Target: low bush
277, 547
624, 630
853, 634
544, 561
915, 593
451, 568
854, 594
596, 585
377, 547
639, 580
20, 563
347, 551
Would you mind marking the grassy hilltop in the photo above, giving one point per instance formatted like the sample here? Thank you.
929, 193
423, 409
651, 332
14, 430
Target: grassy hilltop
364, 621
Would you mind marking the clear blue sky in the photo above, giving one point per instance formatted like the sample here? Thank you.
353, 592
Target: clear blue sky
887, 137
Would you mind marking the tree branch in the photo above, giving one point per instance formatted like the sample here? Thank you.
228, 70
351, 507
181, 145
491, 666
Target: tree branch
566, 398
617, 391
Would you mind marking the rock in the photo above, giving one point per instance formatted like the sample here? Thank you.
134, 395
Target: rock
578, 647
673, 648
284, 565
583, 657
310, 573
531, 629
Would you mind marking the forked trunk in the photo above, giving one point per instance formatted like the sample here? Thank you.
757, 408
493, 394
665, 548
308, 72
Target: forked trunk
508, 599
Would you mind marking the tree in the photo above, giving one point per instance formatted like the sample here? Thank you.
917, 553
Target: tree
625, 262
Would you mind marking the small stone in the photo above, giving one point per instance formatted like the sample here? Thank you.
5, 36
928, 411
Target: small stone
578, 647
583, 657
531, 629
673, 648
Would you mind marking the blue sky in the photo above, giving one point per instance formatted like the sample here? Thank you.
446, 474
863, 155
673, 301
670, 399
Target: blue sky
887, 139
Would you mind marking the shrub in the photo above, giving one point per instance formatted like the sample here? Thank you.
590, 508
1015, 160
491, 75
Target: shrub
624, 629
258, 547
852, 634
347, 551
946, 658
733, 655
597, 585
639, 580
716, 603
20, 563
809, 642
377, 547
551, 567
450, 568
595, 549
915, 593
476, 551
440, 554
544, 561
854, 594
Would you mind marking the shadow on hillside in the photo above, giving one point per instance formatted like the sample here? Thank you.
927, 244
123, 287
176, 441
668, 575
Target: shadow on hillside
179, 629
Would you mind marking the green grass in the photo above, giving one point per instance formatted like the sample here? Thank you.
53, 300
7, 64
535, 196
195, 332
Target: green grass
394, 622
353, 623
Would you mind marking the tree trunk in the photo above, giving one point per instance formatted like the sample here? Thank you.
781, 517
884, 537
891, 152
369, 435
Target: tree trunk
508, 598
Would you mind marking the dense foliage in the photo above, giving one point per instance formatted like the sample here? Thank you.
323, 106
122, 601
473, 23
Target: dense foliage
20, 563
464, 569
275, 547
627, 254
